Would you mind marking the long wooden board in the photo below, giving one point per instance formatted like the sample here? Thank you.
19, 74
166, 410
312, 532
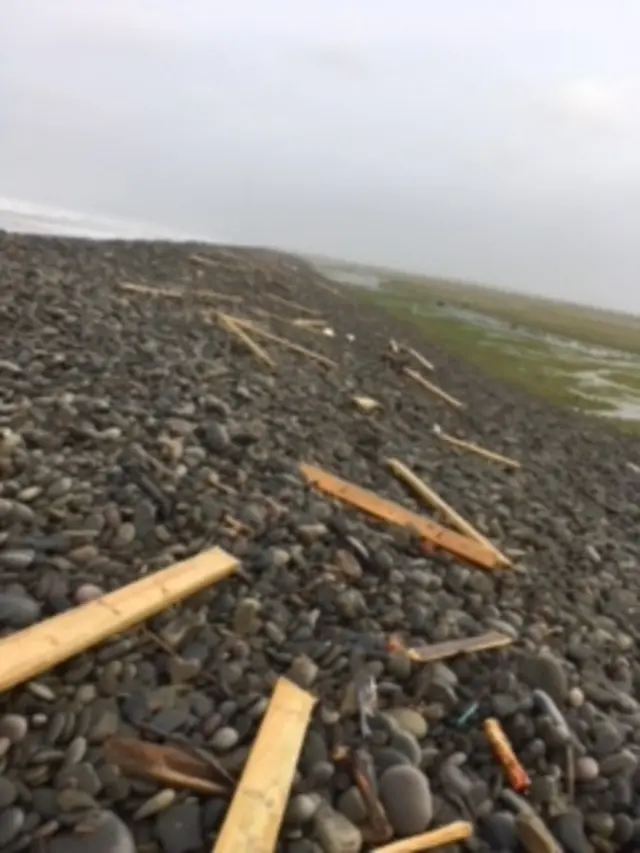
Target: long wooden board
440, 837
254, 817
393, 513
31, 652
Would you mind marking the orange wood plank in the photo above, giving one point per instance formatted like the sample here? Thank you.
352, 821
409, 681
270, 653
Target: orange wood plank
393, 513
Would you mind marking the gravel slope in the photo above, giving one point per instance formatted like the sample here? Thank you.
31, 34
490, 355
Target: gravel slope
133, 429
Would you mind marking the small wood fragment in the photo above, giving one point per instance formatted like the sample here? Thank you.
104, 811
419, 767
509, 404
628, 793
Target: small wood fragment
168, 765
269, 336
230, 324
177, 293
254, 817
366, 404
479, 451
513, 770
433, 652
379, 828
433, 499
460, 830
30, 652
393, 513
433, 388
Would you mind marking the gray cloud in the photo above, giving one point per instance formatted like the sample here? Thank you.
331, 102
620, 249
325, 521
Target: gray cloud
487, 140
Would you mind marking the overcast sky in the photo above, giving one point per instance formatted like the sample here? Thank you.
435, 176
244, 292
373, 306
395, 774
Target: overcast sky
496, 140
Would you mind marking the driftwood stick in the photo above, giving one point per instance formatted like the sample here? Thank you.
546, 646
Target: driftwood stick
433, 388
460, 830
260, 353
475, 448
256, 330
433, 499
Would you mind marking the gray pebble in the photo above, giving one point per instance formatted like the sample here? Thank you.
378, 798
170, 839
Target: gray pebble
8, 792
101, 832
302, 808
621, 763
179, 829
409, 720
545, 672
351, 805
587, 769
156, 804
18, 611
14, 727
406, 796
225, 739
11, 823
335, 832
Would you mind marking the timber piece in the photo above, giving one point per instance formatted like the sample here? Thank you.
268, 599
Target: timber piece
393, 513
435, 652
452, 833
285, 342
309, 312
230, 324
433, 499
253, 820
30, 652
477, 449
424, 362
178, 293
433, 388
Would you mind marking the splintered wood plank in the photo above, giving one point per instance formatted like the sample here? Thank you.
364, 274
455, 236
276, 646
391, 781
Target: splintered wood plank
452, 648
41, 647
433, 499
254, 817
393, 513
433, 388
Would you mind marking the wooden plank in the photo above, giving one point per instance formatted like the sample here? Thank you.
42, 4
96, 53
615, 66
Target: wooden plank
33, 651
433, 388
393, 513
433, 499
459, 830
452, 648
254, 817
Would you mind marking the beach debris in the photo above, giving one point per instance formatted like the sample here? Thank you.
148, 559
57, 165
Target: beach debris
179, 293
253, 820
231, 325
171, 766
393, 513
35, 650
449, 648
366, 404
433, 388
433, 499
452, 833
376, 829
250, 327
462, 444
514, 772
422, 361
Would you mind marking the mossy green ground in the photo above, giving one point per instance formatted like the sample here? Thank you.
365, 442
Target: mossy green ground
574, 362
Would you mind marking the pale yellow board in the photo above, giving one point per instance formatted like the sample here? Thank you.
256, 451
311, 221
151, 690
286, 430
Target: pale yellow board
254, 817
35, 650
